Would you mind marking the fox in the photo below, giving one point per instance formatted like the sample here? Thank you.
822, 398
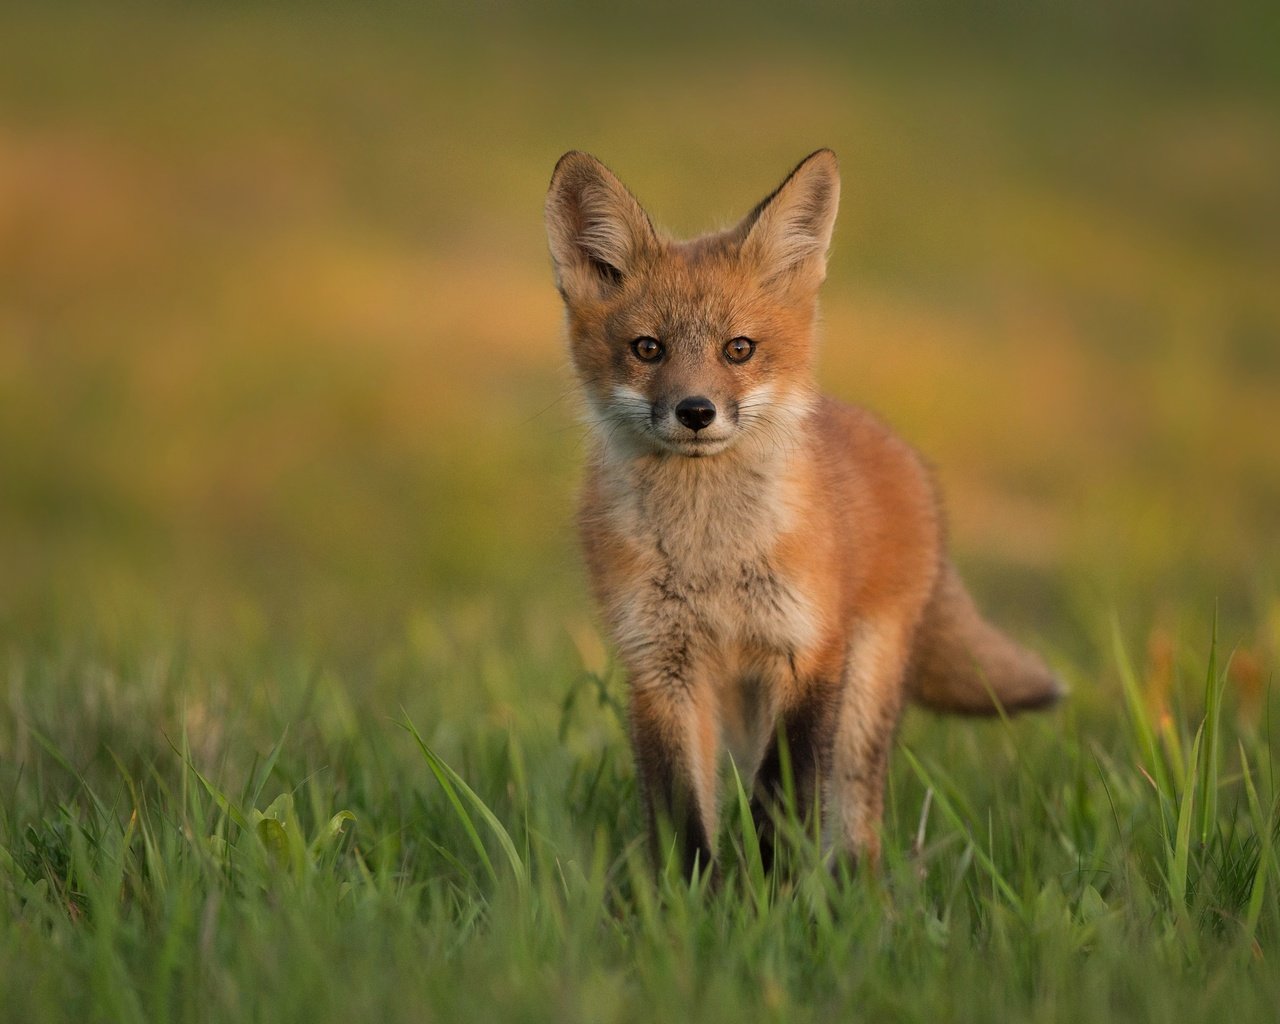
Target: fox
769, 563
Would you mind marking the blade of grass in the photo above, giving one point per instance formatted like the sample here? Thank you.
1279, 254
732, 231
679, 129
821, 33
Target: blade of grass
1180, 855
71, 770
1262, 829
751, 839
268, 766
151, 852
997, 879
1138, 715
225, 803
455, 789
1213, 687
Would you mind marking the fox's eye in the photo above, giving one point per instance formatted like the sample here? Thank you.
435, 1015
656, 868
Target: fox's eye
647, 350
739, 350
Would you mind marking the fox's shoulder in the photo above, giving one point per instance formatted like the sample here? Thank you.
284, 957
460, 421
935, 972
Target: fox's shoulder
853, 434
871, 469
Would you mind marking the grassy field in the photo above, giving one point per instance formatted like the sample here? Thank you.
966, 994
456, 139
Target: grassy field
304, 712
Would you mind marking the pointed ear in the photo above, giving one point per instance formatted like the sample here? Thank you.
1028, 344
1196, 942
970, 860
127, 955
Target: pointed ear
599, 234
790, 231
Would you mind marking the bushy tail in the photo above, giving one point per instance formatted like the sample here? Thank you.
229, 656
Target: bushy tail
960, 660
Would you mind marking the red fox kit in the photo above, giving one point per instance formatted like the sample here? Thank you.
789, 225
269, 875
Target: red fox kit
767, 560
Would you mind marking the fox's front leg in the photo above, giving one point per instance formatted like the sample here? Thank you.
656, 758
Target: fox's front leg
870, 707
675, 736
805, 729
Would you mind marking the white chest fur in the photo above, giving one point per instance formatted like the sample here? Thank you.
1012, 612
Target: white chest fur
709, 531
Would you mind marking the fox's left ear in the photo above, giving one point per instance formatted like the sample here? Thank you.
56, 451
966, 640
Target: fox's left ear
789, 232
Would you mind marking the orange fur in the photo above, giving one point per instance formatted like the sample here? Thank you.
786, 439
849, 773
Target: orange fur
780, 565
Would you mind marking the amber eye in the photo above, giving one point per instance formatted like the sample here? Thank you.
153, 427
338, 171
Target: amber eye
739, 350
647, 350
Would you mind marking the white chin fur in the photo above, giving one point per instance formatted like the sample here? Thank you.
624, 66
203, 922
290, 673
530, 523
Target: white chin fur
695, 448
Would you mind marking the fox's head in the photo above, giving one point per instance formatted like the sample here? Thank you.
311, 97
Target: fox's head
691, 348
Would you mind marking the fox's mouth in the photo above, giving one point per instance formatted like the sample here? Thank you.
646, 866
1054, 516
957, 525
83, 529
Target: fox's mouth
696, 446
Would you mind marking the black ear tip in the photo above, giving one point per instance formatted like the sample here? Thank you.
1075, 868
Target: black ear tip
572, 156
574, 162
824, 156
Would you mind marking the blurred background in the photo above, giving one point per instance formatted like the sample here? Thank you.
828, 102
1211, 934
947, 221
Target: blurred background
282, 366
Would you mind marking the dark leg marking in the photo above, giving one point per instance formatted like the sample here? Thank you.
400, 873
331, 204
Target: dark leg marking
801, 743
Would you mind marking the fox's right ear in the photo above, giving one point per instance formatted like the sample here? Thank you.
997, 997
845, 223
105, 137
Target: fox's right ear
599, 234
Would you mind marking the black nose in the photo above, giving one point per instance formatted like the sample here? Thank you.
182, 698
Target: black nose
695, 413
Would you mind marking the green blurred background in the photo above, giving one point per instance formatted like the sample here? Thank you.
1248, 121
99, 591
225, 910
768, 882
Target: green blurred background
282, 367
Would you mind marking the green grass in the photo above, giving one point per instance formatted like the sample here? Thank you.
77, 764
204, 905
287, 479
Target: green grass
303, 714
344, 865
